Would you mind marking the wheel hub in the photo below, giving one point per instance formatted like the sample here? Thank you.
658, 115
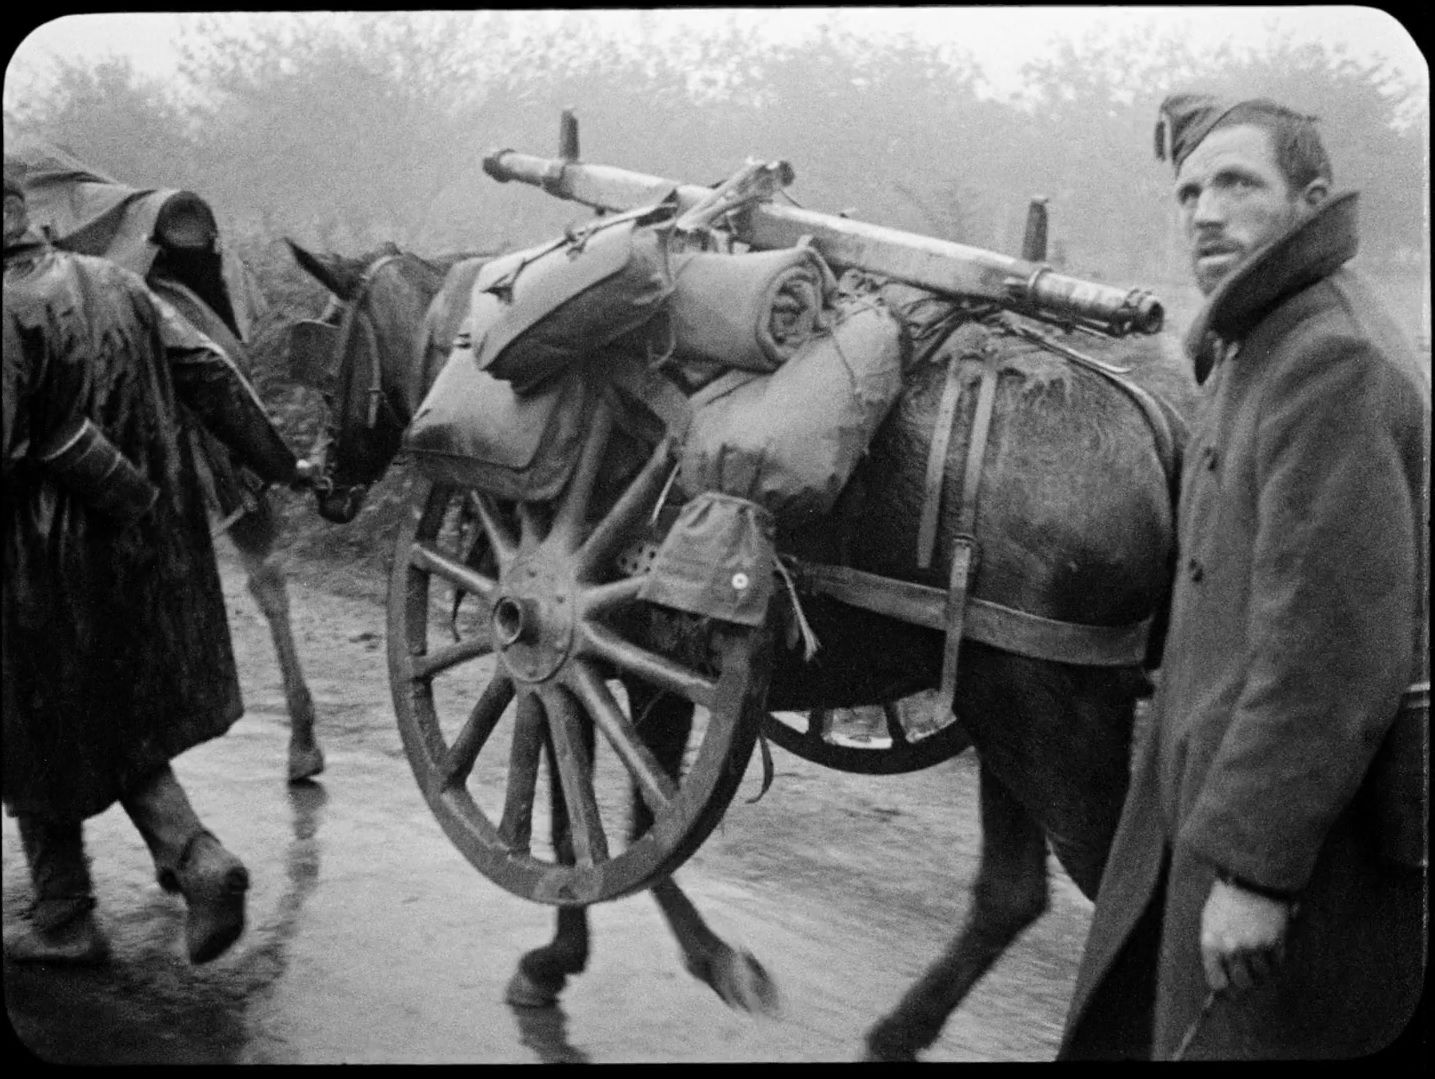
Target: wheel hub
532, 618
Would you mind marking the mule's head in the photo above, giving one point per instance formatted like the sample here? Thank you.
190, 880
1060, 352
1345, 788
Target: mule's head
360, 356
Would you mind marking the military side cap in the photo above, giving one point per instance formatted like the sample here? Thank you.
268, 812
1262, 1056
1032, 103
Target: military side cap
1186, 119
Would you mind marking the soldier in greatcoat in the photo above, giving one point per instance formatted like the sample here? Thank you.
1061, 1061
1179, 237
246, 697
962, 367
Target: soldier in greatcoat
117, 654
1265, 894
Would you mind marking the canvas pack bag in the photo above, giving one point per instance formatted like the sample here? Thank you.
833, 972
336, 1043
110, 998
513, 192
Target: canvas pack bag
538, 312
475, 430
789, 440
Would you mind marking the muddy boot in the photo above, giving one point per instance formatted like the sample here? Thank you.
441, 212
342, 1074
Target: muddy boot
60, 931
61, 922
213, 882
189, 860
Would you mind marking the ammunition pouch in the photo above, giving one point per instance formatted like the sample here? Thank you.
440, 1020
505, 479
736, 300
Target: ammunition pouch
95, 470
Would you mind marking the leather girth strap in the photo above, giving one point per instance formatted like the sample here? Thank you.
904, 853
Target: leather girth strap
966, 552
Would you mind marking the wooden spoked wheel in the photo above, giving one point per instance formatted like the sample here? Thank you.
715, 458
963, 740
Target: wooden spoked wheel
500, 703
892, 752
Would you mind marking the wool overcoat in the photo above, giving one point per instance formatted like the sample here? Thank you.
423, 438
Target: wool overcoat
1291, 639
116, 647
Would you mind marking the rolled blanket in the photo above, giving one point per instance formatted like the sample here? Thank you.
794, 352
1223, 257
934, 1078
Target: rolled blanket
751, 311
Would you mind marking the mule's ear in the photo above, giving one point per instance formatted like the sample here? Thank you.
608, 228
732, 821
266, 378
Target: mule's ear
331, 271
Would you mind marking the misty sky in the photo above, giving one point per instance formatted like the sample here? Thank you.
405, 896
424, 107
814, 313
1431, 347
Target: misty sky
999, 39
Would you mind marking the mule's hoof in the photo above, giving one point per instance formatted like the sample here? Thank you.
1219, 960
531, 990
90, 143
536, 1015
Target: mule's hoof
305, 762
525, 992
871, 1056
883, 1045
741, 981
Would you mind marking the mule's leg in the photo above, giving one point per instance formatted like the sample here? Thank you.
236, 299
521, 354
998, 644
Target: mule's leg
253, 536
543, 972
1055, 747
1010, 894
735, 976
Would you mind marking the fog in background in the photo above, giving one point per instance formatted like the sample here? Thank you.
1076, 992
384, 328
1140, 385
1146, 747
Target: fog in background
346, 130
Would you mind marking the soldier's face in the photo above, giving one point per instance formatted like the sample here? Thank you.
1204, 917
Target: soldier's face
1234, 198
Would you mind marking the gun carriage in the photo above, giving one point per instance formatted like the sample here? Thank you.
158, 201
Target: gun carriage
565, 639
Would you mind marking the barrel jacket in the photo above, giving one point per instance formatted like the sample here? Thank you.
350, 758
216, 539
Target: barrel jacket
1290, 643
116, 648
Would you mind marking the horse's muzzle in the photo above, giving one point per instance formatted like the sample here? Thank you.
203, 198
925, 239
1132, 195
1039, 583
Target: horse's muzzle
340, 505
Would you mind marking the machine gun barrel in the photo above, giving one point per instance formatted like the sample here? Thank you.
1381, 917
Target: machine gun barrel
940, 266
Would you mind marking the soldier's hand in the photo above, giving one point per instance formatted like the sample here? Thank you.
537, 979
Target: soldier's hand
1242, 937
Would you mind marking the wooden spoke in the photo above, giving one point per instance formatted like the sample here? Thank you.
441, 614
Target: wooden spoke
663, 673
603, 598
516, 826
499, 534
530, 525
590, 845
629, 512
425, 667
424, 557
573, 502
655, 785
458, 762
893, 716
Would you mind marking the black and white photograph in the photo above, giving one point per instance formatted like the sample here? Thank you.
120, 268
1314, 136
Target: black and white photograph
716, 535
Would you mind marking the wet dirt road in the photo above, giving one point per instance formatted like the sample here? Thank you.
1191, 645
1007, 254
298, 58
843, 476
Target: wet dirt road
371, 939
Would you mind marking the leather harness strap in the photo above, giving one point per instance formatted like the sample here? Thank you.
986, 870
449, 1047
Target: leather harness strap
990, 623
352, 316
966, 552
937, 464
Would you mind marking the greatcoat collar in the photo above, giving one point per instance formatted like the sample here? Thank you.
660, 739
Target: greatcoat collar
1307, 252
